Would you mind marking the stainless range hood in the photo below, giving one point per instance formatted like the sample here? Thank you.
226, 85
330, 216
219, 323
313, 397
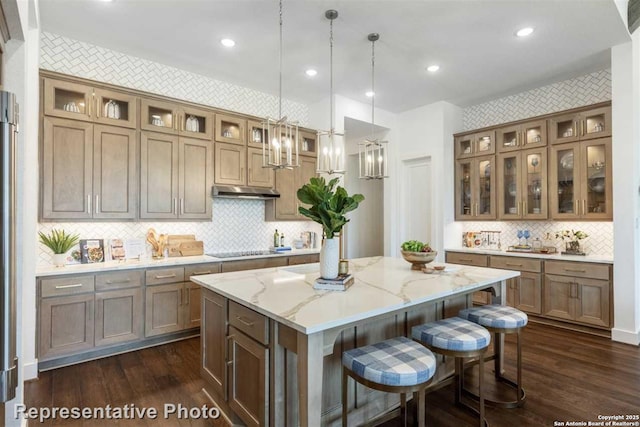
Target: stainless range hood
237, 192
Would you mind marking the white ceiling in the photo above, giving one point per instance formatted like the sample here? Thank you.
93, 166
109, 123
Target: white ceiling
472, 40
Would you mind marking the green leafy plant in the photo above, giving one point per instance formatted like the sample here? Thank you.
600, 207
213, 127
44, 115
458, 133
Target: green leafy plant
58, 241
328, 207
571, 235
415, 246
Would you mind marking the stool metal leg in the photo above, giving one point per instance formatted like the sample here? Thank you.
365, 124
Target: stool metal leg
403, 408
480, 389
344, 397
421, 407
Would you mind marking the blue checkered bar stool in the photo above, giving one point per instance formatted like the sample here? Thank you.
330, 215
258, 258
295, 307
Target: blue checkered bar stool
396, 365
501, 319
463, 340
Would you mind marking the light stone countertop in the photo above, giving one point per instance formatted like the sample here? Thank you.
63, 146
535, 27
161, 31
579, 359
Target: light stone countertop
605, 259
382, 285
152, 263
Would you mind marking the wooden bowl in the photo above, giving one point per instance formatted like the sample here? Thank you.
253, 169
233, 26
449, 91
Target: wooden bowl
418, 259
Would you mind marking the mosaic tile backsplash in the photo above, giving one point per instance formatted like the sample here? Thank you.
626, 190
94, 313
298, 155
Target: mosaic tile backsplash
237, 225
584, 90
599, 242
68, 56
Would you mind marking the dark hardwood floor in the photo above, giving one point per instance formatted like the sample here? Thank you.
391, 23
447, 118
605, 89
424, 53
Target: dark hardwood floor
568, 376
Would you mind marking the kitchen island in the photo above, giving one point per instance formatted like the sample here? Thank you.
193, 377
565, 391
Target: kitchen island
280, 334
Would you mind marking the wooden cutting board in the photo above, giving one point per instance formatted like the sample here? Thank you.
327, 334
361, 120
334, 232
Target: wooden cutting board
175, 240
195, 247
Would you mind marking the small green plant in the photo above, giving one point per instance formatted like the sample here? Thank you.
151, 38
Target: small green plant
328, 207
58, 241
416, 246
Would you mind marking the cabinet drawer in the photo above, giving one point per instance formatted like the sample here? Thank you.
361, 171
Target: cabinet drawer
477, 260
252, 264
117, 280
250, 322
577, 269
516, 263
304, 259
66, 286
200, 269
165, 275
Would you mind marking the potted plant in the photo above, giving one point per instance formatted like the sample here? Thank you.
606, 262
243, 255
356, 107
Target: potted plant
60, 243
572, 241
328, 208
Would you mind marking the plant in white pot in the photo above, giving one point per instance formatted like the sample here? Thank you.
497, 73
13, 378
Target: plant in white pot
328, 208
60, 243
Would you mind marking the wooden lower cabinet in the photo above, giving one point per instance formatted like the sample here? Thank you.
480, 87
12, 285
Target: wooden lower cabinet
118, 316
581, 300
192, 311
172, 308
66, 325
525, 292
214, 330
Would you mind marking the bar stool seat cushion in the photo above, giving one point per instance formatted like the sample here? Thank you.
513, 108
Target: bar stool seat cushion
495, 316
394, 362
453, 334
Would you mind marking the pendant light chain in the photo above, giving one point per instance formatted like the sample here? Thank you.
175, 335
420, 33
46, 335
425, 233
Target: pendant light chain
373, 89
331, 73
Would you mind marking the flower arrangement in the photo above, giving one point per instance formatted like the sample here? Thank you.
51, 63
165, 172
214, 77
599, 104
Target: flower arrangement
572, 240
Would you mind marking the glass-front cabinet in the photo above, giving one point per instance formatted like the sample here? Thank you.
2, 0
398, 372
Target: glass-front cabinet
158, 116
231, 129
115, 108
580, 175
594, 123
195, 123
475, 188
67, 100
522, 184
476, 144
526, 135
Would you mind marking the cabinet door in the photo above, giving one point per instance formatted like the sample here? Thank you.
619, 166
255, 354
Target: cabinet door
564, 188
308, 143
258, 176
67, 147
66, 325
510, 197
256, 134
158, 116
534, 134
114, 172
195, 178
230, 164
564, 128
116, 108
303, 175
67, 100
192, 310
284, 207
158, 176
248, 394
484, 191
484, 298
464, 146
595, 177
195, 123
595, 123
512, 291
464, 203
118, 316
534, 183
231, 129
214, 330
559, 296
528, 295
592, 304
164, 313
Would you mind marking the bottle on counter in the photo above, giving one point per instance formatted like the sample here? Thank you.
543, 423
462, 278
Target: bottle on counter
282, 240
276, 239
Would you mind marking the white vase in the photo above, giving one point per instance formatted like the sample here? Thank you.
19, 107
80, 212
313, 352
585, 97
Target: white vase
329, 258
59, 260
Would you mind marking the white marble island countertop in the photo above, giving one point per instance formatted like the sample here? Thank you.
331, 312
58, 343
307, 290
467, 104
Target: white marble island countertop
382, 285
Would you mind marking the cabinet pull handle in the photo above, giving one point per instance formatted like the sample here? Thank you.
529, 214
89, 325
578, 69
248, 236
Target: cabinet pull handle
188, 296
77, 285
166, 276
577, 208
524, 208
180, 297
197, 273
514, 265
175, 206
181, 206
89, 204
181, 119
477, 209
518, 208
574, 290
575, 129
97, 203
575, 270
584, 206
117, 282
244, 320
465, 260
97, 105
582, 126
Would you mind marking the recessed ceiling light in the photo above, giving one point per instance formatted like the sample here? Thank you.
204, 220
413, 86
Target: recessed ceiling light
227, 43
311, 72
433, 68
370, 93
524, 32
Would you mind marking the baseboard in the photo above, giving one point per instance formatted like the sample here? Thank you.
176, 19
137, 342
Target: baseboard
627, 337
30, 370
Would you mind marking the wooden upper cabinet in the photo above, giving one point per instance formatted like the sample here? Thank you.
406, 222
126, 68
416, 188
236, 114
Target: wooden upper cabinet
287, 183
158, 176
195, 123
525, 135
67, 155
256, 134
475, 144
308, 143
115, 108
589, 124
68, 100
475, 188
522, 184
195, 178
230, 164
257, 176
231, 129
158, 116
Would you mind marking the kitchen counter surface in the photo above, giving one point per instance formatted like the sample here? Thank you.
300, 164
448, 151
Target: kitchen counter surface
382, 285
605, 259
151, 263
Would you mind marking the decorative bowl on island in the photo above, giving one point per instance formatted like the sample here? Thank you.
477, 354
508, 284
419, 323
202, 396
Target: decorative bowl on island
418, 259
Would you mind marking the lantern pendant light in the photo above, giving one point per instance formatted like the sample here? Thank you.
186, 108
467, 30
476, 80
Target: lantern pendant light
331, 153
279, 136
372, 152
